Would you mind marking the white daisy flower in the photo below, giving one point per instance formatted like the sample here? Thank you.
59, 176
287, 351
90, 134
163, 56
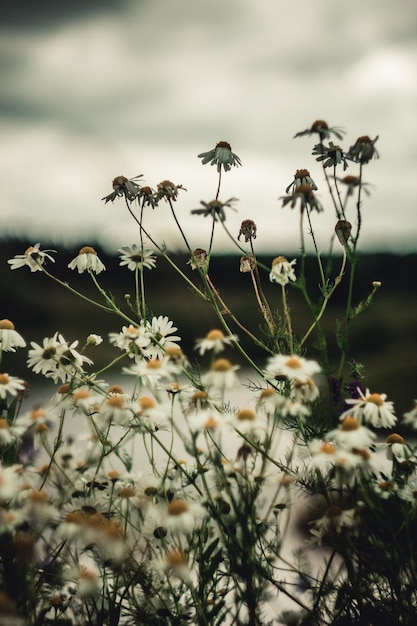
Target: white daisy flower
410, 417
133, 339
350, 435
33, 257
150, 371
134, 257
94, 340
56, 358
11, 385
247, 422
220, 155
161, 330
216, 341
184, 516
372, 408
9, 337
87, 260
282, 271
221, 376
292, 367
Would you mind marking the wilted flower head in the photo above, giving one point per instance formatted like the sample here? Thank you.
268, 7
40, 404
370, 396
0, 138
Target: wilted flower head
247, 263
134, 256
282, 271
168, 191
331, 155
198, 259
248, 230
221, 155
363, 150
352, 182
87, 260
215, 208
301, 177
33, 257
10, 339
321, 128
342, 230
305, 195
123, 186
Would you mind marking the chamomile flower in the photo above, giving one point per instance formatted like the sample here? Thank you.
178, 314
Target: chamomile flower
292, 367
161, 330
321, 128
301, 177
123, 187
350, 435
149, 371
282, 271
33, 257
306, 197
215, 341
363, 150
372, 408
133, 339
134, 257
166, 190
221, 156
9, 337
183, 516
215, 209
221, 376
10, 385
331, 155
87, 260
56, 358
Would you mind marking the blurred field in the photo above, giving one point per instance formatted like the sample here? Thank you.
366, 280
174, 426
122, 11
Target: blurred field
383, 338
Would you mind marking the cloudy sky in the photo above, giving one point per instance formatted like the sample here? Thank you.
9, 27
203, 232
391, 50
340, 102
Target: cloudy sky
91, 90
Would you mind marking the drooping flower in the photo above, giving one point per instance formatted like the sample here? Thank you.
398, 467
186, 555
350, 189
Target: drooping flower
215, 209
87, 261
33, 257
168, 191
371, 408
363, 150
321, 128
199, 259
215, 340
221, 376
352, 183
134, 257
248, 230
301, 177
351, 435
291, 367
331, 155
161, 330
221, 156
306, 197
123, 187
10, 339
10, 384
282, 271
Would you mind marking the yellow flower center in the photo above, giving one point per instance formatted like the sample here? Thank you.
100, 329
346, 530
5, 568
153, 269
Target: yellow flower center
246, 415
319, 125
328, 448
87, 250
127, 492
4, 379
222, 365
350, 423
375, 398
4, 424
293, 362
153, 364
301, 174
394, 438
116, 402
214, 335
6, 325
145, 402
279, 259
178, 507
116, 389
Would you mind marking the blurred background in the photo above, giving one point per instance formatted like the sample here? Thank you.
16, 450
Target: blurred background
92, 90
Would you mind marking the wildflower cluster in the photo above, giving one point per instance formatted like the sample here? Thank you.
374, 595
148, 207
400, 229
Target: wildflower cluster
171, 492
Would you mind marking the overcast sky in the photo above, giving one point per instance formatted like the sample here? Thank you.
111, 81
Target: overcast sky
142, 87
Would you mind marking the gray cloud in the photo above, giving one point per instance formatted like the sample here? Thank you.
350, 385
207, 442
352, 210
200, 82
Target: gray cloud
144, 88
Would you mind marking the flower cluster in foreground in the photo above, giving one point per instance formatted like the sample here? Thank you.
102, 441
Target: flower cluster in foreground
221, 487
